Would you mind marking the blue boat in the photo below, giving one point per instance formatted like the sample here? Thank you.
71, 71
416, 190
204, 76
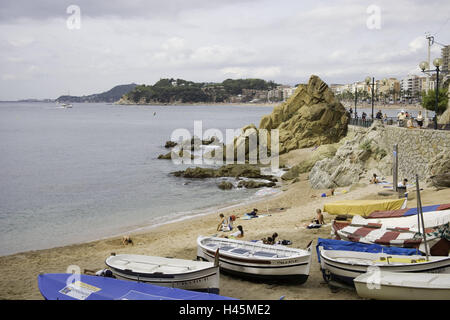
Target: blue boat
331, 244
66, 286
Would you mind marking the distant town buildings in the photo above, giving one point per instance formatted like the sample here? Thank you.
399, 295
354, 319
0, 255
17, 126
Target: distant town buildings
445, 58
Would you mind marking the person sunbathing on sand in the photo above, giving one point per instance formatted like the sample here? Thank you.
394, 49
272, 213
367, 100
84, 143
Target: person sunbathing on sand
323, 195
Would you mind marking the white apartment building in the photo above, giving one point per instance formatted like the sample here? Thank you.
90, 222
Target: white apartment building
410, 85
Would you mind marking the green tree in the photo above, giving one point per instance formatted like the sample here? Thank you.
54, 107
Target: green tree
429, 100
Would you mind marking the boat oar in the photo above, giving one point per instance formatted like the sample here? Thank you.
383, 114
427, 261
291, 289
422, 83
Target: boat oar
420, 213
309, 244
216, 258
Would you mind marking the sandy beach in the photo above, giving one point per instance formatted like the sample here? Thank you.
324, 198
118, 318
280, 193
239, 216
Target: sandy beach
178, 239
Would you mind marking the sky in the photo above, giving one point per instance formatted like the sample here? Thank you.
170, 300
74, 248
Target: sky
50, 48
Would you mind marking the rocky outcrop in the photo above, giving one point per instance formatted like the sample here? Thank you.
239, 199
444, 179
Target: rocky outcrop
168, 156
170, 144
252, 184
225, 185
439, 169
360, 156
325, 151
231, 170
311, 116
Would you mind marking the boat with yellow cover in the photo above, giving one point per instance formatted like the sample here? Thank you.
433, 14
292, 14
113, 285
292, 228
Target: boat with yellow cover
363, 207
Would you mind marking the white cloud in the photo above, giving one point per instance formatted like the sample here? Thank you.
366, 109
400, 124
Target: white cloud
284, 41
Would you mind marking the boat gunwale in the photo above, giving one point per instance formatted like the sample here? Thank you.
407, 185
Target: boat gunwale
299, 253
162, 274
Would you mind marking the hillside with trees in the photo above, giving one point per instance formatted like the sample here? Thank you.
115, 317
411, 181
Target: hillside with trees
109, 96
179, 90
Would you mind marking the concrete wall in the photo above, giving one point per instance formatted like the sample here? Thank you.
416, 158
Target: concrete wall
416, 148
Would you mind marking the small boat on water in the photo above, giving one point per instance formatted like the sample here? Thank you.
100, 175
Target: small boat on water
66, 286
345, 265
256, 260
384, 285
167, 272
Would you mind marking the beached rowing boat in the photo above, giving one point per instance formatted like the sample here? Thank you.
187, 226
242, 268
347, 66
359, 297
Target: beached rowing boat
66, 286
363, 207
347, 265
384, 285
400, 231
257, 260
167, 272
407, 211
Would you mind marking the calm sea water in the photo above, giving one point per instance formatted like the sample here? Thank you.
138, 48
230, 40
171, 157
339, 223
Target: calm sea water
79, 174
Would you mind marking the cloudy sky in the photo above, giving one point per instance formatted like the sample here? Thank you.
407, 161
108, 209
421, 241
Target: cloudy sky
46, 51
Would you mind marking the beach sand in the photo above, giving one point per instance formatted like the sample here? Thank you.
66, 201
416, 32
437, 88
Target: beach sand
178, 239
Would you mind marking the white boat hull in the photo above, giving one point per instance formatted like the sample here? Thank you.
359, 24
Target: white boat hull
205, 279
347, 265
403, 286
293, 267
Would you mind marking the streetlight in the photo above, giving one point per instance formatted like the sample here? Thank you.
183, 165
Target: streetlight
372, 88
424, 66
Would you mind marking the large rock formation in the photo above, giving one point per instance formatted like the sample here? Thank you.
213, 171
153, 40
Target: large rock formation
311, 116
360, 156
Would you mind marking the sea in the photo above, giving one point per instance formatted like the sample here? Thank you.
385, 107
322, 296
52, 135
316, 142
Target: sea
70, 175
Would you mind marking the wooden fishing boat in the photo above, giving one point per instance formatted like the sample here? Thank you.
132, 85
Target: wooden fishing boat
256, 260
363, 207
384, 285
167, 272
398, 231
344, 265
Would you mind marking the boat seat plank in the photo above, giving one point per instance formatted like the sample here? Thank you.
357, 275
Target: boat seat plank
265, 254
240, 251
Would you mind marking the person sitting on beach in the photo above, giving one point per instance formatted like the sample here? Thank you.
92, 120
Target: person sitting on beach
226, 224
238, 234
319, 217
223, 222
317, 221
374, 179
126, 240
270, 240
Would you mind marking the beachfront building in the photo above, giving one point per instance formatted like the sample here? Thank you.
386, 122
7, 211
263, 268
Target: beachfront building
445, 58
410, 87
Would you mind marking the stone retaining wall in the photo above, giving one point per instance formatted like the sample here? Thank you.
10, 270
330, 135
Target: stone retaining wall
416, 148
